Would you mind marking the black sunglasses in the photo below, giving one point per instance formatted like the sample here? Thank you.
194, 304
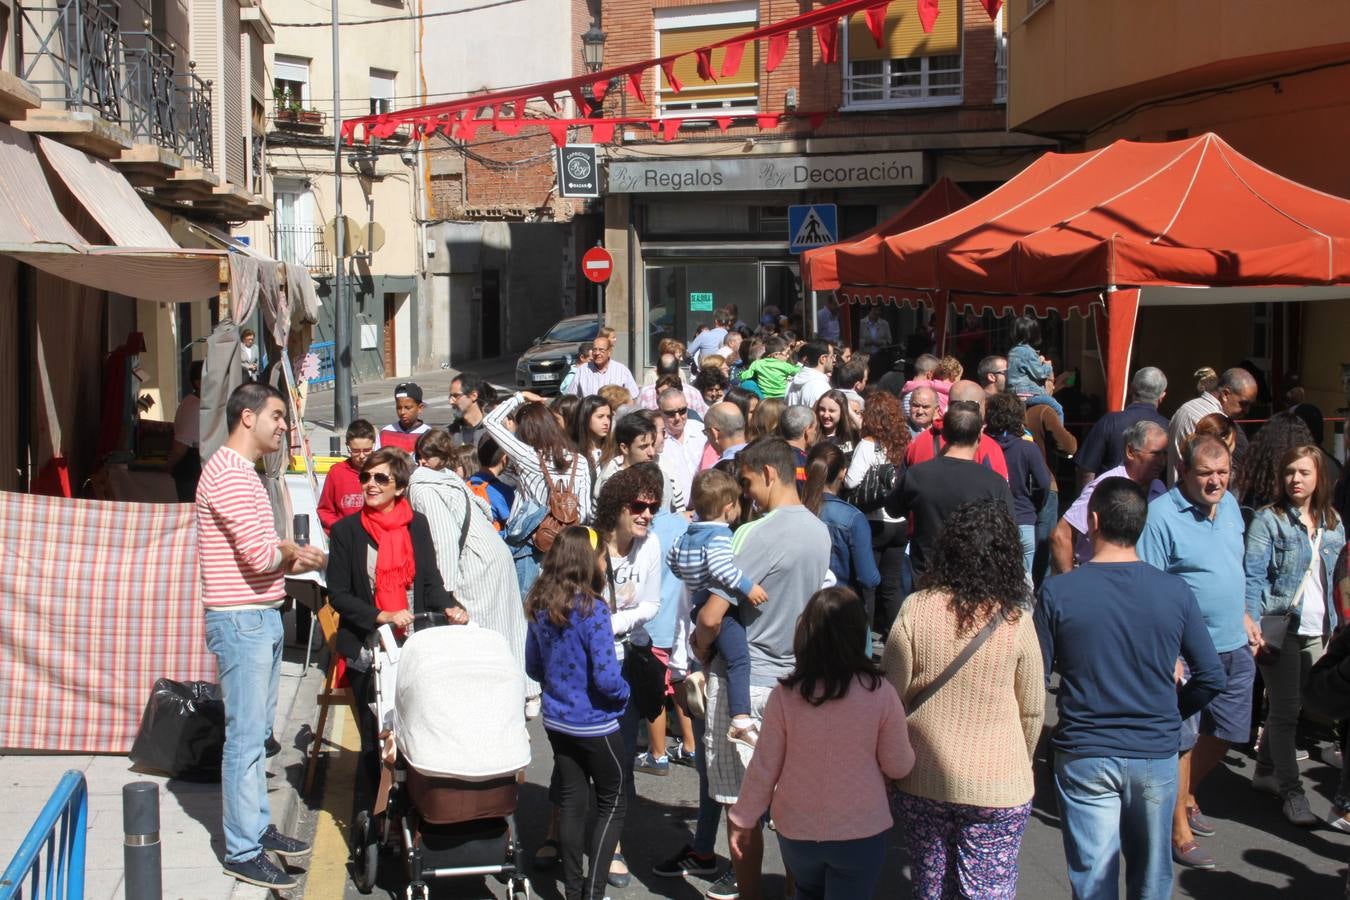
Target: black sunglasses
637, 507
672, 413
383, 479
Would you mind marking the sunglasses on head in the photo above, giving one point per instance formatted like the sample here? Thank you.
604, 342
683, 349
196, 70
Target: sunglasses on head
383, 479
637, 507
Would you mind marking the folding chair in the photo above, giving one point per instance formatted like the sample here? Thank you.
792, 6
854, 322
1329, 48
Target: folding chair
331, 695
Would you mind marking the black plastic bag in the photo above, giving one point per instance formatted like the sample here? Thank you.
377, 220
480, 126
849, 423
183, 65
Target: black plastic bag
182, 731
646, 676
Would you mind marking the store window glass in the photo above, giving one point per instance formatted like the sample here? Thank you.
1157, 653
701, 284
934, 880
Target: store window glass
681, 296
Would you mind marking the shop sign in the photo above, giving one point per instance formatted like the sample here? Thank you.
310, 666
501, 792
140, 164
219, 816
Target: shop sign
700, 301
776, 173
578, 171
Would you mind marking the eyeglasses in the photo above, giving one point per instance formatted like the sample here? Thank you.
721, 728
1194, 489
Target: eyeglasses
637, 507
454, 396
383, 479
999, 372
673, 413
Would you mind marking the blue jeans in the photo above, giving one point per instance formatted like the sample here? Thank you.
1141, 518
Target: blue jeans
734, 649
1113, 806
1046, 520
835, 870
1028, 535
247, 647
709, 810
1047, 400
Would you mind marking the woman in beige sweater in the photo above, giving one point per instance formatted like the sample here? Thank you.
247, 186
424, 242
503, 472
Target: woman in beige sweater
964, 806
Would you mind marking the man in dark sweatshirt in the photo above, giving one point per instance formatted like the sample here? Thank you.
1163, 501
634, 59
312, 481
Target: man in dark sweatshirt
1114, 629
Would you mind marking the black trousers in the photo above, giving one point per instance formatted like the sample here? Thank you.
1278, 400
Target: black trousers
579, 763
362, 685
888, 546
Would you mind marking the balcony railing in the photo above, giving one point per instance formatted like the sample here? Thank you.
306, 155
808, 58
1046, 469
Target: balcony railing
303, 245
74, 54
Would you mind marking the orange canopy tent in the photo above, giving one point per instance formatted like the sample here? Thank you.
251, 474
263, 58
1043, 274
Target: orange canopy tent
1104, 231
819, 271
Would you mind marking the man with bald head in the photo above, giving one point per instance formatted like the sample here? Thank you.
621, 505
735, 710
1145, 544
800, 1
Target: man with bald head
725, 426
922, 404
1233, 395
930, 442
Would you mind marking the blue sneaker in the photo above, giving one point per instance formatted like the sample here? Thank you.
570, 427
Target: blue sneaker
652, 765
682, 757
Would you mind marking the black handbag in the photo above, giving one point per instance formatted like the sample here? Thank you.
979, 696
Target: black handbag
646, 677
879, 482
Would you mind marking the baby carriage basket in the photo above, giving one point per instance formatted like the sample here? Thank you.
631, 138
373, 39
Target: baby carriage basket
452, 700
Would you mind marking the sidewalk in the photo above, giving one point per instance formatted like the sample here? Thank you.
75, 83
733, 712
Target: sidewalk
375, 399
190, 832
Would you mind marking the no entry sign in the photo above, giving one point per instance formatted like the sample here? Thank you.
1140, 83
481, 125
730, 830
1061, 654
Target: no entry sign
597, 265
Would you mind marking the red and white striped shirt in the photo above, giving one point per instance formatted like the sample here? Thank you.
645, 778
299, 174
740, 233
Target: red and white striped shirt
237, 545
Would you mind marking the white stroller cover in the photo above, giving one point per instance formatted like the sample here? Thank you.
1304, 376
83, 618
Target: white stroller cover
460, 704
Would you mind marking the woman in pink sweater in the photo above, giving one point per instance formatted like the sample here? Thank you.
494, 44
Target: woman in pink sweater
833, 733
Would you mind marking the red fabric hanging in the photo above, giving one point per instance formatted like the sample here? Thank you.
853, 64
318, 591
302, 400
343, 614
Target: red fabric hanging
876, 23
668, 66
827, 34
778, 47
602, 132
557, 128
767, 120
724, 122
928, 13
731, 59
703, 59
992, 7
635, 86
669, 128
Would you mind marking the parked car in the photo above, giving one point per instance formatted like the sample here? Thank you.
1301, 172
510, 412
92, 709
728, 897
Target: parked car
542, 367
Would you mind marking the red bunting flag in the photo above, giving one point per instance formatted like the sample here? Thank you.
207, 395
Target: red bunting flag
731, 58
552, 102
876, 23
600, 89
669, 128
557, 128
778, 47
992, 7
348, 131
767, 120
520, 108
602, 132
928, 13
703, 55
509, 127
579, 99
816, 119
468, 128
668, 66
635, 86
827, 34
724, 122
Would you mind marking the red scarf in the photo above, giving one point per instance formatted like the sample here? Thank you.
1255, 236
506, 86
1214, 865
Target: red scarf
394, 564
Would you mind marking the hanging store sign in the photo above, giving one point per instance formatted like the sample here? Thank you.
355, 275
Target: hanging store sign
578, 171
775, 173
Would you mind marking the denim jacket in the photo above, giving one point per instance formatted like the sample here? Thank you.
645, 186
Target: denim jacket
1279, 551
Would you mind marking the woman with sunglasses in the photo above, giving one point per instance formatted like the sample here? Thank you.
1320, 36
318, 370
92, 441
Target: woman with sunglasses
381, 571
623, 515
570, 651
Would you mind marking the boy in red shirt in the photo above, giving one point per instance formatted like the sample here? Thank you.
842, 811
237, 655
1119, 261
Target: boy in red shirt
341, 493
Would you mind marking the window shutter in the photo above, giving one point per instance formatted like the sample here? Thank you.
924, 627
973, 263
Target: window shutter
744, 82
903, 35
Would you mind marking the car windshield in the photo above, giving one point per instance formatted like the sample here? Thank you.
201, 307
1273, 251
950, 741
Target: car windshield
574, 330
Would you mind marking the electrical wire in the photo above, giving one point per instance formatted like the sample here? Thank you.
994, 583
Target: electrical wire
387, 19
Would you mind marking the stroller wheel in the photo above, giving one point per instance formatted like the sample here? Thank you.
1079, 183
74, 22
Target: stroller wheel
520, 890
365, 852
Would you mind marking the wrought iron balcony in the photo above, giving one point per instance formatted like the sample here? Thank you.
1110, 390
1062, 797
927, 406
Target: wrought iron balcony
303, 245
74, 54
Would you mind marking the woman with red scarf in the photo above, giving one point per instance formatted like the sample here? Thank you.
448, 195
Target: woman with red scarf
381, 571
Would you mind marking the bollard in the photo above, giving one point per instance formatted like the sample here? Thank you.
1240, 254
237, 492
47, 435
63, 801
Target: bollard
334, 445
141, 850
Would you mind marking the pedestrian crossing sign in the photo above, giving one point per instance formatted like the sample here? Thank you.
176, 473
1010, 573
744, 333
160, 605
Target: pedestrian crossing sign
812, 225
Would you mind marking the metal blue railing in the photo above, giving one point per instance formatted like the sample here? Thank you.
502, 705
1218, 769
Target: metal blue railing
60, 830
323, 350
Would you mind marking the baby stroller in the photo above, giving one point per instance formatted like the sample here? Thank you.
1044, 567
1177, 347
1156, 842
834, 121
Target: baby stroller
452, 700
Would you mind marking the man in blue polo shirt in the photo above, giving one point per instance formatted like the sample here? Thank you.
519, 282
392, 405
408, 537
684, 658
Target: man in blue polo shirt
1195, 531
1113, 629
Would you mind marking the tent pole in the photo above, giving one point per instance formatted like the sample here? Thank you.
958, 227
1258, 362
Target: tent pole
343, 413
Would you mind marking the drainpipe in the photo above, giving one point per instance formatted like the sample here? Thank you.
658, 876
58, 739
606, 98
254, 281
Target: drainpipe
632, 285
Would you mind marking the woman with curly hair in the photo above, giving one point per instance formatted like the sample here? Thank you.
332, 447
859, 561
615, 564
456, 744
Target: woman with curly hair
884, 437
834, 421
1258, 475
1005, 418
964, 806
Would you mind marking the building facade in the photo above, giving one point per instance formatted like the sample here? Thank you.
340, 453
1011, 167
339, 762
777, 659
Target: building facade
1275, 85
702, 220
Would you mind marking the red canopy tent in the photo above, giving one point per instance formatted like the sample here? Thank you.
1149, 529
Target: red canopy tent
1104, 231
819, 272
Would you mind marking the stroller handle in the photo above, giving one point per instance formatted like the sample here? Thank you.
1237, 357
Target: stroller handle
421, 621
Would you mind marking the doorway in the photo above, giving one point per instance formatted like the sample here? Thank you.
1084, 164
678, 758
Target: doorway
491, 330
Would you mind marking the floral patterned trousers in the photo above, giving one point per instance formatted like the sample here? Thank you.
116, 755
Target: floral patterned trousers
960, 851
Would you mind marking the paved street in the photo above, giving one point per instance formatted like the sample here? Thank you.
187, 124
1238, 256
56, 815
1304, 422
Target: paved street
1259, 854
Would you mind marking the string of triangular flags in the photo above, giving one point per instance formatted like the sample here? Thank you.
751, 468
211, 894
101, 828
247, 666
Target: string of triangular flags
462, 118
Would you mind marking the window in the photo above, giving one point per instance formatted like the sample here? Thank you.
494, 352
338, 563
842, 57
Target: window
382, 93
911, 68
1000, 58
290, 82
682, 29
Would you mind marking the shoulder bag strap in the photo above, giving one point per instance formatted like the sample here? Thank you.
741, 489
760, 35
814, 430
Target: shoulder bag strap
543, 468
468, 511
955, 666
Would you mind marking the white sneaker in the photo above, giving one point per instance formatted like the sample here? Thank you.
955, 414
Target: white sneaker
532, 705
1339, 819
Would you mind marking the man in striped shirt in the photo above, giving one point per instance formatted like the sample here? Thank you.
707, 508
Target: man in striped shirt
243, 567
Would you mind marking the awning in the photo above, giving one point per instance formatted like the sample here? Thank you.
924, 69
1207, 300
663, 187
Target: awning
33, 230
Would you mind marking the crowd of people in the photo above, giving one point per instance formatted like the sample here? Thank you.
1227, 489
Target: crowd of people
771, 556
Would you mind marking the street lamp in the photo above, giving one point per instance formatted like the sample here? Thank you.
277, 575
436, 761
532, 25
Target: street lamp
593, 48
